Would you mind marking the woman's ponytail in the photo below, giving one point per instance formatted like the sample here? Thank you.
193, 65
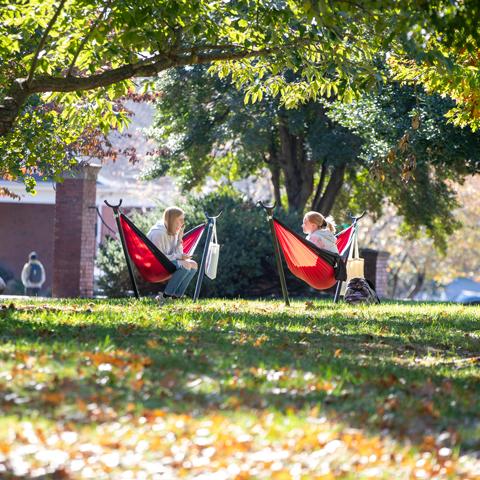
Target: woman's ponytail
330, 224
320, 221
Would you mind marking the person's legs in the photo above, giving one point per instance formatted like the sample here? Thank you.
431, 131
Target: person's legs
182, 286
32, 291
177, 279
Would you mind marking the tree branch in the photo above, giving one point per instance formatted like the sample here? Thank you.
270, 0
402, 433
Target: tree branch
22, 88
86, 38
193, 50
43, 40
146, 68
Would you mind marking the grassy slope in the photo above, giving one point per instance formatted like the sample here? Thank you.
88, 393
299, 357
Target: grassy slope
245, 389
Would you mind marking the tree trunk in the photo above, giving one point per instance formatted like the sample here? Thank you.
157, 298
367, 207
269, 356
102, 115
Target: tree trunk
275, 171
321, 183
297, 169
327, 200
396, 275
273, 163
419, 281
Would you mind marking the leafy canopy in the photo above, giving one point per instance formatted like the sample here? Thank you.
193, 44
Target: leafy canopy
82, 55
396, 145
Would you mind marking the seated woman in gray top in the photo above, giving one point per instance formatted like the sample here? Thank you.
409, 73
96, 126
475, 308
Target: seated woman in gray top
320, 230
167, 235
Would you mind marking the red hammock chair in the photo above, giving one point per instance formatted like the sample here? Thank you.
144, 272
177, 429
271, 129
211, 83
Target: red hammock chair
317, 267
344, 239
152, 265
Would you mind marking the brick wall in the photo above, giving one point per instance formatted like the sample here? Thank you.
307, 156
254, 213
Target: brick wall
74, 234
382, 274
376, 269
25, 227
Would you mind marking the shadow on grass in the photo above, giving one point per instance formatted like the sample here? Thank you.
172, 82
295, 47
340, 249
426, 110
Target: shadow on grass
396, 376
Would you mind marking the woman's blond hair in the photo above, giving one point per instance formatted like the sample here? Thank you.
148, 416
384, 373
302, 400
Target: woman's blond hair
169, 216
320, 221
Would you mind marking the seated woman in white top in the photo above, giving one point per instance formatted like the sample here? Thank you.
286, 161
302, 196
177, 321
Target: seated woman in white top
320, 230
167, 235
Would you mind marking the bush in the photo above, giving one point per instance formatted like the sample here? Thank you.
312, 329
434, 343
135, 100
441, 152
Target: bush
246, 265
12, 285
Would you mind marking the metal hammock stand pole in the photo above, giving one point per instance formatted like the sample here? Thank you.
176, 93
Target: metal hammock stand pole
201, 269
276, 248
115, 209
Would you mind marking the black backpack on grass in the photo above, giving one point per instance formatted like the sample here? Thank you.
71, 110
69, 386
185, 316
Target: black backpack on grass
360, 290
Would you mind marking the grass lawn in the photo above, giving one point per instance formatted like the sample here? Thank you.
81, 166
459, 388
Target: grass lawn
239, 389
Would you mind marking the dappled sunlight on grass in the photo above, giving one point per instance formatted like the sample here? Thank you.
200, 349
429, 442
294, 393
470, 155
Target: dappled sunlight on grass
246, 389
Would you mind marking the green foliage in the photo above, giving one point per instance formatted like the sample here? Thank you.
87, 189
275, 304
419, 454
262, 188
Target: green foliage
114, 280
202, 128
397, 145
412, 156
454, 74
82, 56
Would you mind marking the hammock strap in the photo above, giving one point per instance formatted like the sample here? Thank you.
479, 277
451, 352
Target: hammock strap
104, 223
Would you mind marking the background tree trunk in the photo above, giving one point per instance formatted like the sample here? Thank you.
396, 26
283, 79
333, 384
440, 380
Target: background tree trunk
275, 171
273, 163
297, 169
323, 203
419, 281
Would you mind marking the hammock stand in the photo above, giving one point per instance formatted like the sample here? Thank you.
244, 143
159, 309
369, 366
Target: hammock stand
201, 269
328, 266
157, 268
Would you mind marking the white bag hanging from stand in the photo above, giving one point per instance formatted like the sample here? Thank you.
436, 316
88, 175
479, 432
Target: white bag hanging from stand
355, 264
211, 263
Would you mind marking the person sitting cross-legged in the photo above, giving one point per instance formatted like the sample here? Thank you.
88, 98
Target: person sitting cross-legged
167, 235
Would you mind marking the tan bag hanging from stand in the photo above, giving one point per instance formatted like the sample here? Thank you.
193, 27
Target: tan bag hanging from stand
355, 264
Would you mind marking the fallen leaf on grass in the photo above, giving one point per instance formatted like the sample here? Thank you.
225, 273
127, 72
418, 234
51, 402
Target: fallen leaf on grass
127, 329
429, 409
260, 341
53, 398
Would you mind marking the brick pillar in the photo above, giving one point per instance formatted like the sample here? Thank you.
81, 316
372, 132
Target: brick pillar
74, 234
376, 269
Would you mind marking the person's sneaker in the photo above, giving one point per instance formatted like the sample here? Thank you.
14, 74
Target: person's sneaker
160, 298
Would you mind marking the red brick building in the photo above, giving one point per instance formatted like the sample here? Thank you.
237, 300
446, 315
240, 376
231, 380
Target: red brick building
29, 224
